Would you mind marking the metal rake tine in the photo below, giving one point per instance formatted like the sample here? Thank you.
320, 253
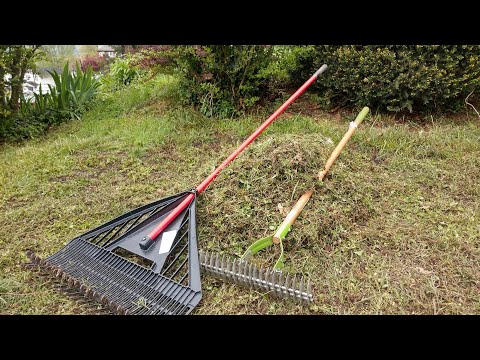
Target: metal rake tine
280, 283
227, 268
301, 287
217, 261
294, 283
212, 259
255, 276
222, 267
250, 274
245, 270
234, 263
287, 284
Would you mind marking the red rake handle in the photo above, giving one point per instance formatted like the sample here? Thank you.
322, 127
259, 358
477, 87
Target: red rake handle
183, 205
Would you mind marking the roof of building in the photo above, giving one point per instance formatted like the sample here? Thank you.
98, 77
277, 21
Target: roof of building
106, 48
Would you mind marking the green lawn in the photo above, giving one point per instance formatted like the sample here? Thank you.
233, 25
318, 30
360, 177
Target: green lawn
395, 228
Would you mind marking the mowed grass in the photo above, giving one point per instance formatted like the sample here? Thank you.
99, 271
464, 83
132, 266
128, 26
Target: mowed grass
394, 229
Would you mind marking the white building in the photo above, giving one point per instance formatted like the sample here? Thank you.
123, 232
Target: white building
33, 83
106, 51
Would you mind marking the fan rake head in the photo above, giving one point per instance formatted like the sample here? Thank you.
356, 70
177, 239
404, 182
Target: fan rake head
108, 266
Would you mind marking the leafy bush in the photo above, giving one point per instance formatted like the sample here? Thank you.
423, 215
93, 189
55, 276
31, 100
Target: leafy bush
68, 99
96, 62
223, 80
122, 72
395, 78
72, 92
152, 57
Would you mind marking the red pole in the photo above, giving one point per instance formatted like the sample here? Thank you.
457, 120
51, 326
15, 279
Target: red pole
183, 205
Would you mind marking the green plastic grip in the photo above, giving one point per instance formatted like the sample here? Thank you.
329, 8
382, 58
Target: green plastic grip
284, 229
361, 115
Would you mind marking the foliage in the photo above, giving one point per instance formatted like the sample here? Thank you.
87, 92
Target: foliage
15, 60
68, 99
122, 72
95, 61
152, 57
393, 78
223, 80
56, 56
85, 50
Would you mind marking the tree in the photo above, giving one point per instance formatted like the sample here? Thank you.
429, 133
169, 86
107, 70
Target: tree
15, 60
57, 55
88, 50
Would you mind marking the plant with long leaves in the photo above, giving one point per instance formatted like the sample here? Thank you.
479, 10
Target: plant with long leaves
72, 91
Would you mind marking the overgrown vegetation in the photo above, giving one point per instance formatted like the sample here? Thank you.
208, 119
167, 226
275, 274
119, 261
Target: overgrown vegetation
394, 229
223, 80
68, 99
228, 81
392, 78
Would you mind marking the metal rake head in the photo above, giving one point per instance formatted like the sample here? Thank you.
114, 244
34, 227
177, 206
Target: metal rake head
244, 273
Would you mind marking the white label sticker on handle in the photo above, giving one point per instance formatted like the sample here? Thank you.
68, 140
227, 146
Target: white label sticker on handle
167, 241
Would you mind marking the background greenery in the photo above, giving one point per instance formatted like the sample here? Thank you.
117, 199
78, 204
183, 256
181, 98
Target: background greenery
228, 81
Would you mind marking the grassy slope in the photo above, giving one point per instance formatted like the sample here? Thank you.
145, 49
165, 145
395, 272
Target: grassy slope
394, 229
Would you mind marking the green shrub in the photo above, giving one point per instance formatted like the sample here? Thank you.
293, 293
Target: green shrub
122, 72
223, 80
68, 99
394, 78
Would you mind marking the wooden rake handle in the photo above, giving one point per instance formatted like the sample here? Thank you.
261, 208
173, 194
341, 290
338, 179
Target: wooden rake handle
284, 228
343, 142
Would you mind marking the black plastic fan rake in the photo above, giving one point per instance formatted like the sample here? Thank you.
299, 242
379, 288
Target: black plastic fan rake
145, 261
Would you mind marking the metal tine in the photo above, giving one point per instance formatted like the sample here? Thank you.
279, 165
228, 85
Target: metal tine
280, 284
254, 276
309, 287
217, 260
272, 280
230, 270
222, 266
241, 271
206, 258
234, 271
250, 274
294, 283
212, 259
287, 284
261, 278
301, 287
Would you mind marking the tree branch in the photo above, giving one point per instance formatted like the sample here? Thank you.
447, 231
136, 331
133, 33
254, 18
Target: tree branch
473, 107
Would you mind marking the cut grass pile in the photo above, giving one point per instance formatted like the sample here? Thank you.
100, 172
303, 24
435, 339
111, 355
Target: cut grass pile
395, 227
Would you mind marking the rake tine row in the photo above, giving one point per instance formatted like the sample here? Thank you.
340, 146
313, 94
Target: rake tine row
244, 273
76, 295
70, 285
